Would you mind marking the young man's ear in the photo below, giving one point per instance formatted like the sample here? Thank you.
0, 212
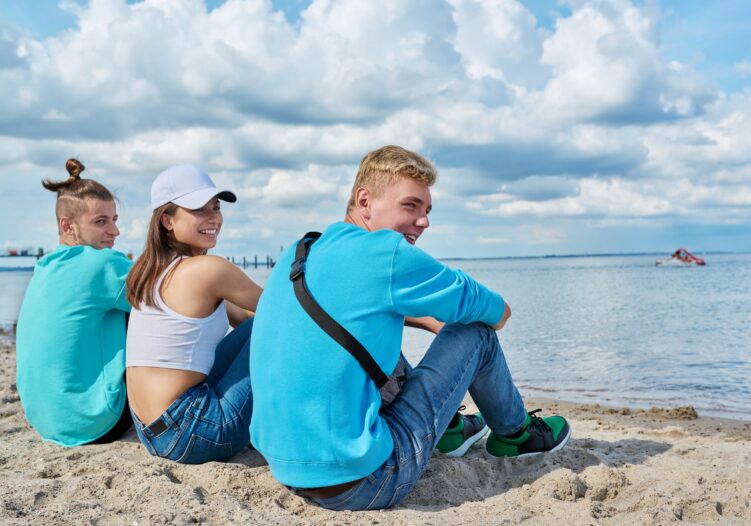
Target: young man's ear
362, 202
166, 220
65, 226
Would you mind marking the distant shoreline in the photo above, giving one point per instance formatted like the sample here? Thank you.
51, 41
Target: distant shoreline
497, 258
598, 255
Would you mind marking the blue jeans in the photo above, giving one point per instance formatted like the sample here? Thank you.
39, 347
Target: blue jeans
461, 357
209, 421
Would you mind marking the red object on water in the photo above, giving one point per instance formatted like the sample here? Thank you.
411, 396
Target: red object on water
687, 256
684, 256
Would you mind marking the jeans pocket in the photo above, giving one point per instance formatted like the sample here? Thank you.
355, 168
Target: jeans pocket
200, 450
144, 439
399, 494
165, 442
160, 445
344, 500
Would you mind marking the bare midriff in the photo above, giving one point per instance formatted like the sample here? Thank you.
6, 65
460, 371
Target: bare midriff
151, 390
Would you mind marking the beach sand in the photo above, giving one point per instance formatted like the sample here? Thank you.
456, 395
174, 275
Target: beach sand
621, 467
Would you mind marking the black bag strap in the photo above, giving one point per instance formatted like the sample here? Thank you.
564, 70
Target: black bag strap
329, 325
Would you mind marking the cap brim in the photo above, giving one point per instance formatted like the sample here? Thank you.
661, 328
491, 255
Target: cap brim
197, 199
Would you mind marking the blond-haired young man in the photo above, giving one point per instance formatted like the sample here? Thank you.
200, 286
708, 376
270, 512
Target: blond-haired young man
317, 414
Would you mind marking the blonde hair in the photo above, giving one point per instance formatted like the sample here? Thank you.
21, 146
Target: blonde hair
383, 167
72, 192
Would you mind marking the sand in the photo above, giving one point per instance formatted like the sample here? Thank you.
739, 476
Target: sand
621, 467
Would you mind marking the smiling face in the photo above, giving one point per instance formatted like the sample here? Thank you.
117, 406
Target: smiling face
198, 228
95, 226
403, 207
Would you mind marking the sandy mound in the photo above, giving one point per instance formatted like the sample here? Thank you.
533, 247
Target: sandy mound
620, 467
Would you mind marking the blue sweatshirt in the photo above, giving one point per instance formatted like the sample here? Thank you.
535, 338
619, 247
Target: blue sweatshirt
315, 410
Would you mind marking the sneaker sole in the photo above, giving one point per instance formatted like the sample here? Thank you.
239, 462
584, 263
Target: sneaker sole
531, 457
459, 452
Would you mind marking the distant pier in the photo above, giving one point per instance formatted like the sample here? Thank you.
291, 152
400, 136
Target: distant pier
12, 253
247, 262
244, 263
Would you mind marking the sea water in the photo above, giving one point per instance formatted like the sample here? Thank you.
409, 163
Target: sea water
615, 330
15, 274
621, 331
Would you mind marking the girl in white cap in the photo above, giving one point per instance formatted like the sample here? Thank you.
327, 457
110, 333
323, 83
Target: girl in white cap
188, 380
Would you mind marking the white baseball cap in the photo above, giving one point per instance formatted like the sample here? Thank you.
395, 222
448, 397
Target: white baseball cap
186, 186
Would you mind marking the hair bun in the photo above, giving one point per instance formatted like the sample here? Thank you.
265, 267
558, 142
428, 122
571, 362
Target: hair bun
74, 167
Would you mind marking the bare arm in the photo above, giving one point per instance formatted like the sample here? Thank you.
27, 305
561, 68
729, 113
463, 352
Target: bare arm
234, 286
506, 315
236, 315
426, 323
430, 324
201, 282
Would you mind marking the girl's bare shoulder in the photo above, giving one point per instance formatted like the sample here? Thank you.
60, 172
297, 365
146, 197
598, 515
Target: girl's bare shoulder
203, 265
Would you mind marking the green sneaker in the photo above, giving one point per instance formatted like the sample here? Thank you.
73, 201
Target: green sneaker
463, 431
539, 435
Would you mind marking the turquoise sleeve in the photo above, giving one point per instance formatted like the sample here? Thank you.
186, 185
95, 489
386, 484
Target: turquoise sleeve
114, 271
423, 286
121, 267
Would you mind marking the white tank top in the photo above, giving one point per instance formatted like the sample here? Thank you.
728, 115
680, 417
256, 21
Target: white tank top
160, 337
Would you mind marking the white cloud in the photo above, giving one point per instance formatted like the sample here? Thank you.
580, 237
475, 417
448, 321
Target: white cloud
136, 230
543, 235
493, 240
500, 40
614, 197
152, 65
585, 120
12, 52
292, 189
607, 66
744, 68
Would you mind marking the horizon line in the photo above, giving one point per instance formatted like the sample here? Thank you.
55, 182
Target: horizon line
461, 258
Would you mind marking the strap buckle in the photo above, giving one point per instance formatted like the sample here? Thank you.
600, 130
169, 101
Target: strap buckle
297, 269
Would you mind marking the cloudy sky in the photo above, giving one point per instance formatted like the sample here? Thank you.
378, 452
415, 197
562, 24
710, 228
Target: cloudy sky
558, 127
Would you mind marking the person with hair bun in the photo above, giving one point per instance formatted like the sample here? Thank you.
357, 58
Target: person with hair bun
70, 343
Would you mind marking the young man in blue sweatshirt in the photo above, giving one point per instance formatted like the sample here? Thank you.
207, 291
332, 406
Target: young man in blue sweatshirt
317, 415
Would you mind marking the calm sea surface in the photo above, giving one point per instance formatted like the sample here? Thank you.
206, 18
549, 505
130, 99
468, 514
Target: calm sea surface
615, 330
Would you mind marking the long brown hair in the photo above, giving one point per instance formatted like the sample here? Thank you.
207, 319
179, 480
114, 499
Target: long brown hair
72, 192
160, 250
